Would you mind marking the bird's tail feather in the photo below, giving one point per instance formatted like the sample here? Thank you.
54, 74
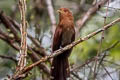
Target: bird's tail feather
60, 68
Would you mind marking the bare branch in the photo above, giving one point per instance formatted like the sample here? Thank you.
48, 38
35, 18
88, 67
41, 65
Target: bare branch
87, 62
51, 14
12, 42
7, 24
112, 46
41, 50
81, 22
100, 45
8, 57
23, 50
8, 39
107, 72
104, 54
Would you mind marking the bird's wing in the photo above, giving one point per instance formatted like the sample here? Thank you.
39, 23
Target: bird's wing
73, 37
57, 38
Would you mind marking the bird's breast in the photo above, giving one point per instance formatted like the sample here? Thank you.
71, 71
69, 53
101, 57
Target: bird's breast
67, 36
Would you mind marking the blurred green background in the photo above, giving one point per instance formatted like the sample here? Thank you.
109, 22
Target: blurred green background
40, 25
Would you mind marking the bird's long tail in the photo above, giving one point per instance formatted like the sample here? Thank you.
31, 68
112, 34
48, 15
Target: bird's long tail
60, 68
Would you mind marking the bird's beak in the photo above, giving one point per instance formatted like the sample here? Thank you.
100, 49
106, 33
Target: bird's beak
59, 11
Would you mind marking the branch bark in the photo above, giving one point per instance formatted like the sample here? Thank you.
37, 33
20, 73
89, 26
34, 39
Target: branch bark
81, 22
23, 49
8, 57
51, 14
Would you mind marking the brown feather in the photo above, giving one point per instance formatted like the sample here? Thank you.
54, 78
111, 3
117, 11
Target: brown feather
64, 35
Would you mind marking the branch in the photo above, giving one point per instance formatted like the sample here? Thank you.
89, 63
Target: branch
8, 57
107, 72
104, 55
112, 46
9, 22
81, 22
51, 14
100, 46
41, 50
87, 62
10, 40
23, 49
36, 58
59, 51
31, 53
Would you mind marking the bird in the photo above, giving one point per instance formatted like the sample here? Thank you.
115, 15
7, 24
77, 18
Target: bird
64, 35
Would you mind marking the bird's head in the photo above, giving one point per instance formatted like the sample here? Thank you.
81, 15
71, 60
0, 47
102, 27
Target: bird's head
65, 13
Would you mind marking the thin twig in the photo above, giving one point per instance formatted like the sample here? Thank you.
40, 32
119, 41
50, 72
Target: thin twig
112, 8
77, 76
7, 24
100, 45
104, 51
8, 57
112, 46
114, 71
85, 63
8, 39
107, 72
